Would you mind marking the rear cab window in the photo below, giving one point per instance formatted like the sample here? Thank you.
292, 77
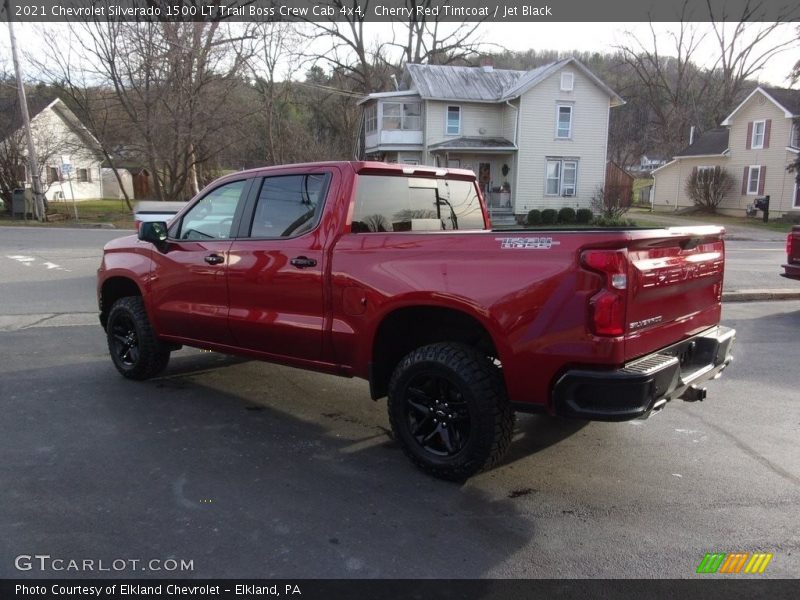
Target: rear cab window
398, 203
289, 205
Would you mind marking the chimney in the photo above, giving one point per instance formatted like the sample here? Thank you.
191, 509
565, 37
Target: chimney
487, 64
691, 135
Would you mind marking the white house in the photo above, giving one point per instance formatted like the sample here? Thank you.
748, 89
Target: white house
648, 162
755, 144
535, 139
69, 156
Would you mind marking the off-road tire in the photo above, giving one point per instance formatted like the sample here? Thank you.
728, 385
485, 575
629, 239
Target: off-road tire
135, 350
477, 384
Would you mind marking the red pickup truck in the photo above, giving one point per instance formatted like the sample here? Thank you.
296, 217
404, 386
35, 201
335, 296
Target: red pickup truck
792, 267
392, 273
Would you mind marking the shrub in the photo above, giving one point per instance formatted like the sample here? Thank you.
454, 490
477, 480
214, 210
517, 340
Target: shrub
584, 216
549, 216
707, 187
534, 217
606, 221
610, 203
566, 215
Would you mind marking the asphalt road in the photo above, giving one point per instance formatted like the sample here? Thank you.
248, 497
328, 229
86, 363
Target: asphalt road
756, 265
254, 470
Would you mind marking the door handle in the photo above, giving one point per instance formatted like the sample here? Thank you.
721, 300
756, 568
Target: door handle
302, 262
214, 259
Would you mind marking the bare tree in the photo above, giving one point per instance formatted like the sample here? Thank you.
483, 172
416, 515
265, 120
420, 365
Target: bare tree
794, 76
708, 187
794, 166
608, 204
349, 51
427, 40
173, 82
373, 65
745, 47
681, 87
670, 83
277, 45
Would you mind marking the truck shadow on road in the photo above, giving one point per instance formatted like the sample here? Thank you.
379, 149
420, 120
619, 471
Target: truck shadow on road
247, 470
535, 433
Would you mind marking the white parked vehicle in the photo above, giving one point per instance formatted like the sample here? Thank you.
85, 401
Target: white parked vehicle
148, 210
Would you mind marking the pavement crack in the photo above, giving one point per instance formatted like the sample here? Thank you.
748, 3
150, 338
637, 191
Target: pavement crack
40, 321
753, 453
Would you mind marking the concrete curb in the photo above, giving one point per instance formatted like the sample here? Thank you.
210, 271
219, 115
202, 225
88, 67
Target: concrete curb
90, 226
53, 225
760, 295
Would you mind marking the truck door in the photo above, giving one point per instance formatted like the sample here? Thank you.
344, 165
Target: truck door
188, 288
275, 274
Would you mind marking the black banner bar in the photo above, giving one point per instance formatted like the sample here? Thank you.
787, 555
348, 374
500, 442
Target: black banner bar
497, 11
708, 588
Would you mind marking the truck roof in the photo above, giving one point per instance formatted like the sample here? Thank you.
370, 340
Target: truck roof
363, 166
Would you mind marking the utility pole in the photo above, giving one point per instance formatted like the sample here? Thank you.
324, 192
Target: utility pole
38, 202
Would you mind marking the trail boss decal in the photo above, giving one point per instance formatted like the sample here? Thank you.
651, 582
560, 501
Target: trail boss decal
528, 243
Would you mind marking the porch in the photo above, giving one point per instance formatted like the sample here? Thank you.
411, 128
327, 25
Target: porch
493, 161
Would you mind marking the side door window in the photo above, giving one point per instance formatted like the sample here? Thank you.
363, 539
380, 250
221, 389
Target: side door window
212, 218
289, 205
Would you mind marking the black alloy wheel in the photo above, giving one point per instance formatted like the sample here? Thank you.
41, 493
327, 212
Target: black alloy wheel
449, 410
135, 350
437, 413
125, 344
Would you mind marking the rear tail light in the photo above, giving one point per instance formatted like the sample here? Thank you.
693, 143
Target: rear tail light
607, 307
789, 247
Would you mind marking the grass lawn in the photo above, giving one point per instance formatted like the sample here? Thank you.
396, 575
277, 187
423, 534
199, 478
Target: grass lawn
62, 213
693, 218
638, 184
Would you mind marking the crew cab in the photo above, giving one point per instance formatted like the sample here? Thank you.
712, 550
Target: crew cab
792, 267
392, 273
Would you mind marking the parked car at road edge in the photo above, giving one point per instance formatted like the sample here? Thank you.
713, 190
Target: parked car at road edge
792, 267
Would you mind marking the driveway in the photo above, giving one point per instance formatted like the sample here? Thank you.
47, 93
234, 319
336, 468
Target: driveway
733, 232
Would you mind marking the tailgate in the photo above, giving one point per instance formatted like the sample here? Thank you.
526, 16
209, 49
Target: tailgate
674, 287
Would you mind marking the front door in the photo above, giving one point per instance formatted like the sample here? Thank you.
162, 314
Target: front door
484, 175
189, 293
275, 275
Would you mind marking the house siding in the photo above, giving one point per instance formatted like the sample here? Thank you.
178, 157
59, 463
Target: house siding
529, 123
510, 121
778, 184
474, 117
54, 139
394, 139
537, 141
670, 181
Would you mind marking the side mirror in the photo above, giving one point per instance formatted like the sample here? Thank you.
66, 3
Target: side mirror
154, 232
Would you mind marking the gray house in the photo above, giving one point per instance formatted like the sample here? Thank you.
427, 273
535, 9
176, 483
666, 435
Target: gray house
535, 139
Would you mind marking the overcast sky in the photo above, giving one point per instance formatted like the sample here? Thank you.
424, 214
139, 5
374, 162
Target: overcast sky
601, 37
